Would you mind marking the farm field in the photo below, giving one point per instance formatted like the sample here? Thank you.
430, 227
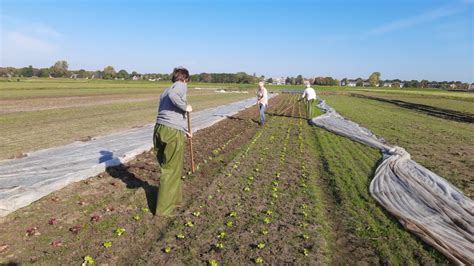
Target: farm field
446, 147
284, 193
451, 101
40, 114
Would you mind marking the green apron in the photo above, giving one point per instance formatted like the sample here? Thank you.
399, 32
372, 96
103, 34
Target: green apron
169, 148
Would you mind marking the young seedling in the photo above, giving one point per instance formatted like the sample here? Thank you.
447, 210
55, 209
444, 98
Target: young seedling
264, 232
75, 229
261, 245
119, 231
136, 217
189, 224
180, 236
53, 221
213, 263
266, 220
233, 214
259, 260
196, 214
107, 244
305, 252
246, 189
250, 178
145, 210
305, 236
56, 243
269, 212
167, 250
221, 235
33, 231
219, 245
230, 223
88, 260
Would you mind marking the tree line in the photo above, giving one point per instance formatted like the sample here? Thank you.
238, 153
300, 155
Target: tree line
60, 69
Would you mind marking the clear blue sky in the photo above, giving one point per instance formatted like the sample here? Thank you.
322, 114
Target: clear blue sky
406, 39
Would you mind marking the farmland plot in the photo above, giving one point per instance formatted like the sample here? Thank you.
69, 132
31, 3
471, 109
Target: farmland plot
284, 193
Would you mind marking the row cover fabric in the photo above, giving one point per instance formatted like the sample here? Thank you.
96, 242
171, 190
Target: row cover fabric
25, 180
424, 203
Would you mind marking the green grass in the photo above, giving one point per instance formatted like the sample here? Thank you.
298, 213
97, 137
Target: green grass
455, 101
443, 146
349, 166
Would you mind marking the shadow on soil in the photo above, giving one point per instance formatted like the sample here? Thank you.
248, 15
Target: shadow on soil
122, 172
241, 119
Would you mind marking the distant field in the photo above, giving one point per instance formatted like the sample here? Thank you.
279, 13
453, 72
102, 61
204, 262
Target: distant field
37, 114
443, 146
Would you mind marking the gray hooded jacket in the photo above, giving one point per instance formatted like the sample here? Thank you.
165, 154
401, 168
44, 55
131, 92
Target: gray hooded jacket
172, 109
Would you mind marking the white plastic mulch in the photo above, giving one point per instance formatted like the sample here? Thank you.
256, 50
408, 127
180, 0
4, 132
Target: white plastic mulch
25, 180
424, 203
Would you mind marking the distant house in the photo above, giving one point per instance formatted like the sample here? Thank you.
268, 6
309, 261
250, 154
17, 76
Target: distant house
278, 81
351, 83
366, 83
387, 84
471, 87
136, 77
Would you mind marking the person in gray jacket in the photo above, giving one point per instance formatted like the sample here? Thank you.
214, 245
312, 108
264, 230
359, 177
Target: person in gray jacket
168, 141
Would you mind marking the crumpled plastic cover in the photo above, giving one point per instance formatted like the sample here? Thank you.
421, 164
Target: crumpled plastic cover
25, 180
424, 203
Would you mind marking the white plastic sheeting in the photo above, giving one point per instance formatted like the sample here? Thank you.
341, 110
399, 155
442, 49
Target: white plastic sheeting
424, 203
25, 180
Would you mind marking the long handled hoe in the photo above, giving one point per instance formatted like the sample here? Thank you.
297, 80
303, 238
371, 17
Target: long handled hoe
190, 142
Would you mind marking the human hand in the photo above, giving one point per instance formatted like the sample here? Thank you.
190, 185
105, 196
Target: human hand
189, 108
189, 135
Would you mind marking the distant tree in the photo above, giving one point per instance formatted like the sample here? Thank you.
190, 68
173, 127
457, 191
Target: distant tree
396, 84
27, 71
374, 79
359, 82
424, 83
287, 81
44, 72
123, 74
59, 69
270, 81
109, 72
299, 80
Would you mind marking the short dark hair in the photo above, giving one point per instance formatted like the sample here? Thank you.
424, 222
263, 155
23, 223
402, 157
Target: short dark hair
180, 74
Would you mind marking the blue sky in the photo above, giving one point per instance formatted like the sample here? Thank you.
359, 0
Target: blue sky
406, 39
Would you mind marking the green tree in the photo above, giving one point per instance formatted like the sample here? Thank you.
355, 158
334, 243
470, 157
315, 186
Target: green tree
299, 80
27, 71
123, 74
109, 72
374, 79
270, 81
59, 69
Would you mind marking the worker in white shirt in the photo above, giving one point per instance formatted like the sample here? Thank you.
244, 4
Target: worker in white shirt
309, 95
262, 101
